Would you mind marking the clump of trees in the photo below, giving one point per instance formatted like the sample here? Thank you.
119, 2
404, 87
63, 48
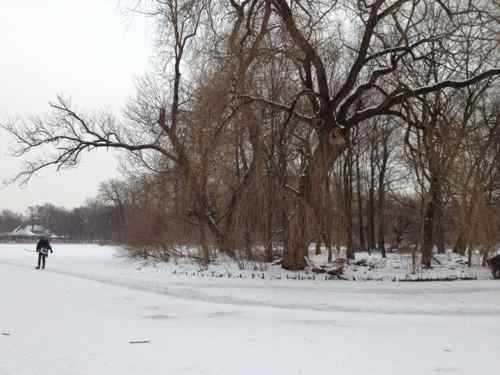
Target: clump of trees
271, 124
9, 220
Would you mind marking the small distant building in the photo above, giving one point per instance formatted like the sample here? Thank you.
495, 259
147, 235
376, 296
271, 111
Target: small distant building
28, 233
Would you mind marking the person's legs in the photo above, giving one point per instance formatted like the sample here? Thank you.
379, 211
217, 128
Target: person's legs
39, 260
43, 260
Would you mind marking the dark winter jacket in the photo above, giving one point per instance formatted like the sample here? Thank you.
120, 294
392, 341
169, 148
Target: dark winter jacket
43, 246
494, 264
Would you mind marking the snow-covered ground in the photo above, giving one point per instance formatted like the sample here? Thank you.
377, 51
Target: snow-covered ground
367, 267
79, 315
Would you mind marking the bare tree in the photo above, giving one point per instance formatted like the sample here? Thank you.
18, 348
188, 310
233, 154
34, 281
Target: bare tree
203, 117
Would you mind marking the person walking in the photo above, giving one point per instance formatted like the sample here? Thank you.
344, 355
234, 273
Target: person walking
42, 248
494, 264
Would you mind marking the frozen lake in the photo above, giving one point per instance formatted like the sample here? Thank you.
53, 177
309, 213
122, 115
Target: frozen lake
80, 314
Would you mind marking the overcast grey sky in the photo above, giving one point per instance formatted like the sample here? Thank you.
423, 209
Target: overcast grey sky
90, 50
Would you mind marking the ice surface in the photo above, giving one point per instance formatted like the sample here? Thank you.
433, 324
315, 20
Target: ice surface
79, 315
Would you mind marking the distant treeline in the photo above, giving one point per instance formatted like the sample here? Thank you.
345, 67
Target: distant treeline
93, 221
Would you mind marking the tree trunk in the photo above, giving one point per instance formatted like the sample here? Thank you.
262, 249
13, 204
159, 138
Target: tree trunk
269, 223
318, 240
371, 203
429, 215
461, 244
248, 243
205, 251
381, 222
439, 211
381, 196
311, 193
296, 243
330, 253
427, 235
362, 241
350, 254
